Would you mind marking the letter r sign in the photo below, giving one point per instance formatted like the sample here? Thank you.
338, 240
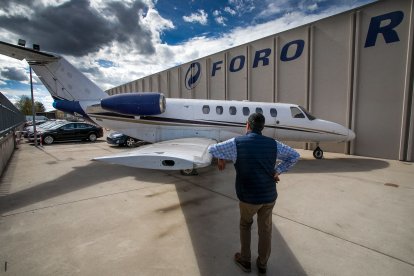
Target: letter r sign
384, 24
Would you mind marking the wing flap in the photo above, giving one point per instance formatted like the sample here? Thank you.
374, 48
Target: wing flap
178, 154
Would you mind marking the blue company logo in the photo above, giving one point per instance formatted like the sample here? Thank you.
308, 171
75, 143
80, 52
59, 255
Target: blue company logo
193, 75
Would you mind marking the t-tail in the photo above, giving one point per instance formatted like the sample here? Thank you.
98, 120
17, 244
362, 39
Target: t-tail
73, 92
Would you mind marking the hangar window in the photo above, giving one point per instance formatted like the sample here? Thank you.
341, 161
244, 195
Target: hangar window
259, 110
296, 113
206, 109
246, 111
219, 110
232, 110
273, 112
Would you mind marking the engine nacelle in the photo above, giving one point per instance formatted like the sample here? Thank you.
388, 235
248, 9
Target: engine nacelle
71, 107
136, 104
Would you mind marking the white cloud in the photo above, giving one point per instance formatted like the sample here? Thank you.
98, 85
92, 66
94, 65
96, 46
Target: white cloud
242, 6
220, 20
129, 64
313, 7
157, 24
230, 10
198, 17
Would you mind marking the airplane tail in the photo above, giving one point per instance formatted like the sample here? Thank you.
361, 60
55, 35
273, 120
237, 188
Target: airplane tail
63, 81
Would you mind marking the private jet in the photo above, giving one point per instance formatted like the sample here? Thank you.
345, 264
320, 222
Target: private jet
179, 130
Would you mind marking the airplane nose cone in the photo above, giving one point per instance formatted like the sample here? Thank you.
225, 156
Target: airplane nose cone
351, 135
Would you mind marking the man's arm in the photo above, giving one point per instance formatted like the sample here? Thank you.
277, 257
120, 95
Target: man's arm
225, 150
288, 156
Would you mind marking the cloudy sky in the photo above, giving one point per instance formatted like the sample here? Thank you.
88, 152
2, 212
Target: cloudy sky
114, 42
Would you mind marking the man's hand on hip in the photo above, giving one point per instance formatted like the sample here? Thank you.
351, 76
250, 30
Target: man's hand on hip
221, 164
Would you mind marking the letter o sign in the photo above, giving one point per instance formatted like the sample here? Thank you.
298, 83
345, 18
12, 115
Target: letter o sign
300, 44
234, 67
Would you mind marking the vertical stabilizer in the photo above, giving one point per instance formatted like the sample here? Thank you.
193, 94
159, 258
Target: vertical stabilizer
66, 82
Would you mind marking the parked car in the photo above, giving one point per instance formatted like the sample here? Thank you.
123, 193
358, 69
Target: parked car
120, 139
45, 125
69, 131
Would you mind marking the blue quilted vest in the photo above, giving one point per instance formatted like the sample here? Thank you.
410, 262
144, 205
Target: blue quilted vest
255, 168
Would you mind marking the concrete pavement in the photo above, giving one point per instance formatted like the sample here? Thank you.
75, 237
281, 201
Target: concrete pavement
63, 214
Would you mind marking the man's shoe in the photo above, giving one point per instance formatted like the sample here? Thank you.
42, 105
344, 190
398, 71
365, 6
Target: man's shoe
260, 268
245, 266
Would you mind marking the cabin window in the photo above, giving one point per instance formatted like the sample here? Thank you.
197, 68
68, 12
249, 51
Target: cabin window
296, 113
219, 110
273, 112
232, 110
259, 110
206, 109
246, 111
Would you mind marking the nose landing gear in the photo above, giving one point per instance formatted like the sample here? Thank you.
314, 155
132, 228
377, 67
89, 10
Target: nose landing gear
318, 153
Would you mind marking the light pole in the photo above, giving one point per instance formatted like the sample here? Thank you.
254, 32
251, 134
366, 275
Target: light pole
36, 47
33, 107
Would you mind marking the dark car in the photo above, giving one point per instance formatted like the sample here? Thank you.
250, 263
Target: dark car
120, 139
70, 131
45, 125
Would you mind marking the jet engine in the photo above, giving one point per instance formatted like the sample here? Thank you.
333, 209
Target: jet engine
136, 104
71, 107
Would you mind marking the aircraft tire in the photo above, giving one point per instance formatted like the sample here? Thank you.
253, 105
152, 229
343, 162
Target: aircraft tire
318, 153
189, 172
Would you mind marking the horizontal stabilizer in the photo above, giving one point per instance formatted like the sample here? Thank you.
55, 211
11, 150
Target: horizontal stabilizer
179, 154
20, 53
62, 80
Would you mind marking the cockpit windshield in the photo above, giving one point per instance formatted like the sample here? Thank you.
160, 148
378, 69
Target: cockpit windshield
310, 116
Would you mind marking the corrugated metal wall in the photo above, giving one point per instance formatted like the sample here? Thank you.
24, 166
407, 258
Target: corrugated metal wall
354, 68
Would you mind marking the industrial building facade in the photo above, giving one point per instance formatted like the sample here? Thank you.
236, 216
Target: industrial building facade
354, 68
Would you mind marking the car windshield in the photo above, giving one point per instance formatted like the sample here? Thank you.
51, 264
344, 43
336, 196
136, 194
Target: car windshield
48, 124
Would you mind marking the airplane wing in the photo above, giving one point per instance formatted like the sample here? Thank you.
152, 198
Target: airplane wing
178, 154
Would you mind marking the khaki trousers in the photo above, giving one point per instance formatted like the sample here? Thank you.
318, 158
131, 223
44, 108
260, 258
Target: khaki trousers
264, 224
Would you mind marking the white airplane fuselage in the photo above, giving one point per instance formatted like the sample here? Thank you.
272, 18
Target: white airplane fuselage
221, 120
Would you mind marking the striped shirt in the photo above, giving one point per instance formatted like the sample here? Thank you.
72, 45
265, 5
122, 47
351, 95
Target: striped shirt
227, 150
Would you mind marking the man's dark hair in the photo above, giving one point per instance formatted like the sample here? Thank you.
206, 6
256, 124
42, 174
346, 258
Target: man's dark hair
256, 122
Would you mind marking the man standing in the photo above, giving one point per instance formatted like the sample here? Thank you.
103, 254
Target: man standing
254, 157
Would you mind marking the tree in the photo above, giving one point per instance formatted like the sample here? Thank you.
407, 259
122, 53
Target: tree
24, 104
39, 107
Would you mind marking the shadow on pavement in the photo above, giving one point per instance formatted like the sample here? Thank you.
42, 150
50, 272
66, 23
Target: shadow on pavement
348, 164
78, 178
212, 220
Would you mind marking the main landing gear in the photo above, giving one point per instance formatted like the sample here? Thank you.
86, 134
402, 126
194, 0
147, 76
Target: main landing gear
318, 153
189, 172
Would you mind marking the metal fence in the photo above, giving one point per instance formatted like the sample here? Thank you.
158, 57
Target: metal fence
10, 116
